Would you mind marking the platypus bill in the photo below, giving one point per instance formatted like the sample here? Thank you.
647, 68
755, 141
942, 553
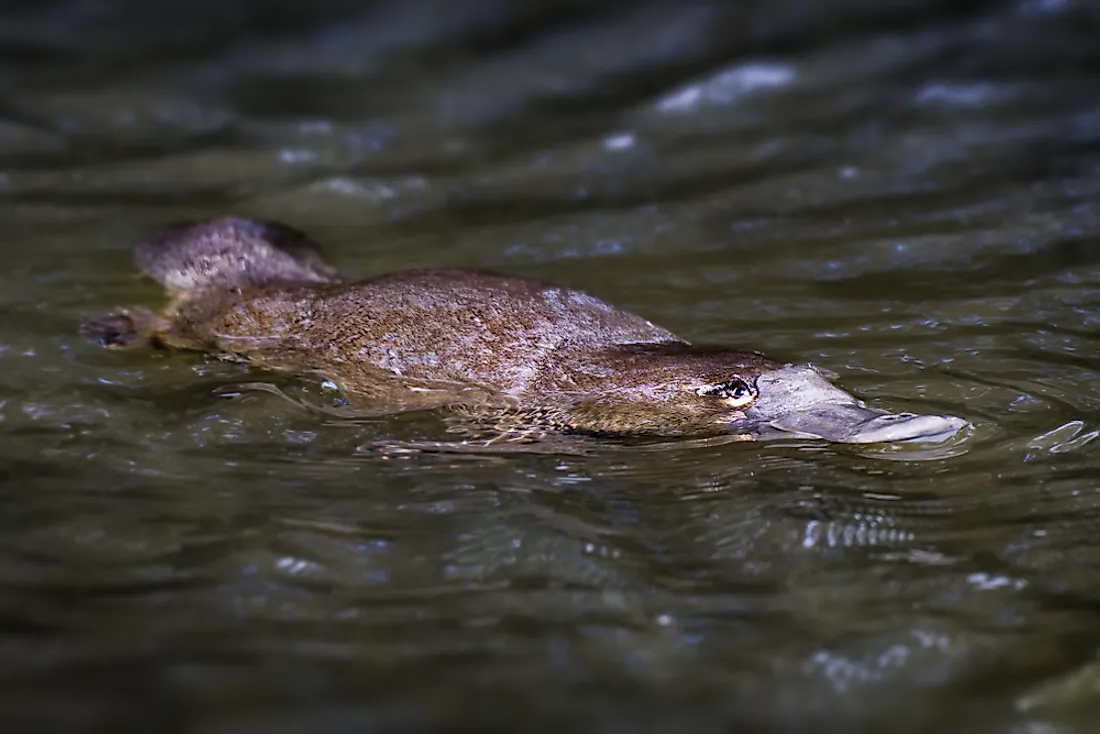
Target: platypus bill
552, 358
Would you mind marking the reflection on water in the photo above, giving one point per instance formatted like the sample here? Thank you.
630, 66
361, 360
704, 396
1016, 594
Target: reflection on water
905, 194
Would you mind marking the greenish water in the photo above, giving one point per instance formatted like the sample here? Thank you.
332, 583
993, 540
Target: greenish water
905, 194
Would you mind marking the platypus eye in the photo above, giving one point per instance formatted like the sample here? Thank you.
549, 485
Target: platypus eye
736, 392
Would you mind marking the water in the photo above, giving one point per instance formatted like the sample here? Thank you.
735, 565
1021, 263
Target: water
906, 194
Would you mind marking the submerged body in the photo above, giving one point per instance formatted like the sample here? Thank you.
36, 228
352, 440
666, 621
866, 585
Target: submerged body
447, 338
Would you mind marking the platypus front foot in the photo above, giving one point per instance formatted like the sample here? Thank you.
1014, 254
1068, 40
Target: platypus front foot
128, 328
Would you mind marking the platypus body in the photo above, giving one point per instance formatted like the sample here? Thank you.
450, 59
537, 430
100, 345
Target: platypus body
425, 339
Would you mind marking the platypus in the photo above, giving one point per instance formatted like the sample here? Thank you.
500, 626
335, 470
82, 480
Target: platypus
561, 359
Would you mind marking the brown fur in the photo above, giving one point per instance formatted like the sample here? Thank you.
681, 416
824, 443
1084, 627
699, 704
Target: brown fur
426, 338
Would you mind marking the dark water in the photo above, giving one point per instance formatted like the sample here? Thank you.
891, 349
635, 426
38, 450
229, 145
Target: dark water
907, 194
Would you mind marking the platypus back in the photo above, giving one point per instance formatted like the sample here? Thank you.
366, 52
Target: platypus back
230, 252
260, 291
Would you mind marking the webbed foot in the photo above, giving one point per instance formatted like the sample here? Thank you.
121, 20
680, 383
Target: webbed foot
128, 328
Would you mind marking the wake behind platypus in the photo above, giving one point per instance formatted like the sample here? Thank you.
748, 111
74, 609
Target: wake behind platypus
473, 340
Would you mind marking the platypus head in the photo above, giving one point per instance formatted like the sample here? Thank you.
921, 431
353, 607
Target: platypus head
675, 388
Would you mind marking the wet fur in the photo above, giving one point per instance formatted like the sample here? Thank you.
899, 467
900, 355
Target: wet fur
514, 356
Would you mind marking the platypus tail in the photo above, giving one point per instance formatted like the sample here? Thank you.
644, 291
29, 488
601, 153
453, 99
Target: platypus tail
229, 252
